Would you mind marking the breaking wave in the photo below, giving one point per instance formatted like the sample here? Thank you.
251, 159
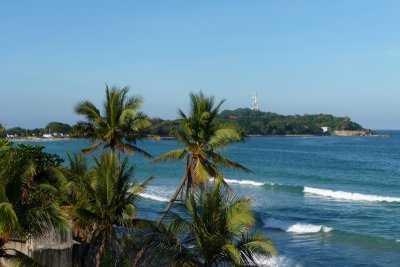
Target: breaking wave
349, 195
154, 197
340, 195
296, 228
244, 182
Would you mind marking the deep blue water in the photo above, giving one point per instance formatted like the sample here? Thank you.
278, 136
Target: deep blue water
324, 201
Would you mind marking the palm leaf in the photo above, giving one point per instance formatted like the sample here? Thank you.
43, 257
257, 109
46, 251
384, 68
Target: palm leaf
91, 148
172, 155
19, 259
8, 218
225, 162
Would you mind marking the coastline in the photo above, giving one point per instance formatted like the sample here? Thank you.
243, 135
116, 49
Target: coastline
38, 139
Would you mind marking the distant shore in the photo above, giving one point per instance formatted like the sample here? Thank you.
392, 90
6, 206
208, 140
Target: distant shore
166, 138
39, 139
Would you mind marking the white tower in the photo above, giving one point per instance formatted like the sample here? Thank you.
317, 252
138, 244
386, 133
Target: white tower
255, 101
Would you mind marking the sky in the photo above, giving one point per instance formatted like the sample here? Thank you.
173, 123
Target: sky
302, 57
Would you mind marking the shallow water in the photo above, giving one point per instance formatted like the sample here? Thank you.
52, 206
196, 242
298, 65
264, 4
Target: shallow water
324, 201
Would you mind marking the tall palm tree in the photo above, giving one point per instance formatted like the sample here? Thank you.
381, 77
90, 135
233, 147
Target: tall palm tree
215, 232
203, 137
26, 205
120, 125
106, 203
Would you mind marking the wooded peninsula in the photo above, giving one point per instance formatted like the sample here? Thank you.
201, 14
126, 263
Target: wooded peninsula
251, 122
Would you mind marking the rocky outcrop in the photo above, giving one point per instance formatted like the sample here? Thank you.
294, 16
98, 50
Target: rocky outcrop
363, 132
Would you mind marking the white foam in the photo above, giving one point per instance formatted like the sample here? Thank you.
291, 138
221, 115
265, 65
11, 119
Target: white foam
160, 193
300, 228
349, 195
154, 197
276, 261
244, 182
296, 228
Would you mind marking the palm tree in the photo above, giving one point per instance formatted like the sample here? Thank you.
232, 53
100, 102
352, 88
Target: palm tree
106, 203
26, 205
202, 137
120, 125
215, 232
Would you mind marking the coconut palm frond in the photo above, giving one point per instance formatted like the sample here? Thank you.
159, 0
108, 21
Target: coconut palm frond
255, 245
9, 219
134, 149
120, 125
88, 109
177, 154
232, 254
18, 259
91, 148
223, 137
225, 162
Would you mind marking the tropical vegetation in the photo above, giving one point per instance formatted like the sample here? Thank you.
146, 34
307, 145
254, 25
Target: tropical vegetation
216, 231
268, 123
120, 125
202, 137
101, 202
97, 200
26, 198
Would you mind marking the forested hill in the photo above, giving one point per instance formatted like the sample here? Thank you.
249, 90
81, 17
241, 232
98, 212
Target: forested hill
268, 123
252, 122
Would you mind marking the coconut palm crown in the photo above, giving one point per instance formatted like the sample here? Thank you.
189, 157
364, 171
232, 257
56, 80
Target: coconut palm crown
106, 202
202, 136
215, 231
119, 127
26, 205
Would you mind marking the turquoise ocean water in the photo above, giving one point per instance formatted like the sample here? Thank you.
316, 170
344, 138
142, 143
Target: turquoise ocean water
324, 201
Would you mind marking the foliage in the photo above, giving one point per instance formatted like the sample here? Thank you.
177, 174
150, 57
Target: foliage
202, 137
216, 231
58, 127
120, 125
267, 123
2, 131
103, 201
23, 132
161, 127
26, 205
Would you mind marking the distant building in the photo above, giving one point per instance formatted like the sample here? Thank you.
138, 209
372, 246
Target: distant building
326, 129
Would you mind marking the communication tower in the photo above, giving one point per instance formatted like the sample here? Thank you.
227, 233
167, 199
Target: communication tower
255, 101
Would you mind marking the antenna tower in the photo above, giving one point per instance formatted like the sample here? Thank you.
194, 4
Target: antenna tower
255, 101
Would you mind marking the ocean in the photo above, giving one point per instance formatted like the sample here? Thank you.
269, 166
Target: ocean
324, 201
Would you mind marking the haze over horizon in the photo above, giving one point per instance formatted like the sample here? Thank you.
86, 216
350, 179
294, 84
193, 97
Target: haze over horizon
337, 57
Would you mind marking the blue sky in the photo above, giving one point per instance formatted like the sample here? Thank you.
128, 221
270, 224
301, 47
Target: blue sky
338, 57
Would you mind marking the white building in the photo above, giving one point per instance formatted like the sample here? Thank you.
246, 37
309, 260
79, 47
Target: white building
326, 129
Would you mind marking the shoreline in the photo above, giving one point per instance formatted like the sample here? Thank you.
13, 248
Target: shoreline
167, 138
38, 139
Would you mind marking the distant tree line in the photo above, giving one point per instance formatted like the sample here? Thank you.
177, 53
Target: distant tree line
250, 121
267, 123
52, 127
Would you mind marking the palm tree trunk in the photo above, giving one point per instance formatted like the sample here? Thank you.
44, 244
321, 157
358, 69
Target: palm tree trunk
171, 202
178, 190
100, 252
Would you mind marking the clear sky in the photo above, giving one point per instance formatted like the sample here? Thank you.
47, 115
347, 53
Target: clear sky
338, 57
